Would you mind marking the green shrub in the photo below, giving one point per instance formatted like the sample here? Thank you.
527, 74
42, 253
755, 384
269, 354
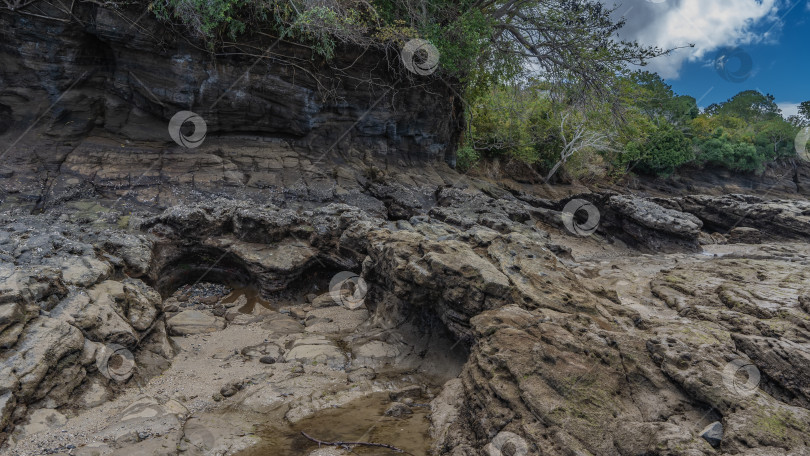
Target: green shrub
513, 121
204, 17
661, 154
736, 156
466, 158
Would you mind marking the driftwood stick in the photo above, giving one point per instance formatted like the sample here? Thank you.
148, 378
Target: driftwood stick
339, 444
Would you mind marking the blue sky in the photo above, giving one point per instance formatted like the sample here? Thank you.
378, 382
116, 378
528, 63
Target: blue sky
739, 45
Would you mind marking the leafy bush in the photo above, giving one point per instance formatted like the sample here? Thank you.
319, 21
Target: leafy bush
512, 121
466, 158
736, 156
204, 17
319, 25
661, 154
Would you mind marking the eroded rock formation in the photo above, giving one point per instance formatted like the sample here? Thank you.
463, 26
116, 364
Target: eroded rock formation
562, 352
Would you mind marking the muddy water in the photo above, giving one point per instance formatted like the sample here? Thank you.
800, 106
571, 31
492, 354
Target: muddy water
359, 420
253, 296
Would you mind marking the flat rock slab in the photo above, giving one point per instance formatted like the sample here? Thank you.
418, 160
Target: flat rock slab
331, 320
316, 351
145, 416
375, 352
194, 322
44, 420
281, 325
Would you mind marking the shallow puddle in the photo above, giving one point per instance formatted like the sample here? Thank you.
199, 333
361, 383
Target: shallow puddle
254, 298
359, 420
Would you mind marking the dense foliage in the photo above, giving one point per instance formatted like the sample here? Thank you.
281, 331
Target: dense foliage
544, 82
481, 42
656, 132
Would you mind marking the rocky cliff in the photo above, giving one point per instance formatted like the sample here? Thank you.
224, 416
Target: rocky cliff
92, 89
520, 323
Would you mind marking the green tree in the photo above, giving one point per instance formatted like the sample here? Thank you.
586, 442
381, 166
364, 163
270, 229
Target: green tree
656, 99
749, 105
661, 154
804, 110
775, 137
721, 150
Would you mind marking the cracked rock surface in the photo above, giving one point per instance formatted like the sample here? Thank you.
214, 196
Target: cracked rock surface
524, 337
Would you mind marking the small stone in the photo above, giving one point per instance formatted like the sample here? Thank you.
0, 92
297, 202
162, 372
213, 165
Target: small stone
171, 308
217, 397
267, 360
408, 401
209, 300
219, 310
230, 389
713, 434
398, 409
298, 369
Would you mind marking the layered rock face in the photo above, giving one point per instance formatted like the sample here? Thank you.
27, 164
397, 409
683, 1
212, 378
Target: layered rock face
87, 96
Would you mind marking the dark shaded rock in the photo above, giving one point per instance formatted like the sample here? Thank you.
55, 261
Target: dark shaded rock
783, 361
267, 360
775, 219
130, 80
230, 389
713, 434
643, 223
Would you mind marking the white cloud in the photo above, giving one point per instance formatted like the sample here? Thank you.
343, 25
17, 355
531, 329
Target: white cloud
789, 109
708, 24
